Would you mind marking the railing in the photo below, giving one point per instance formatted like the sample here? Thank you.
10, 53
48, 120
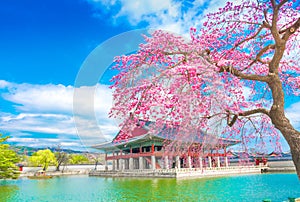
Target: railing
183, 170
156, 154
135, 155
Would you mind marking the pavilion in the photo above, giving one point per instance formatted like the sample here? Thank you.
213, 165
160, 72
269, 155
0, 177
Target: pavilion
147, 151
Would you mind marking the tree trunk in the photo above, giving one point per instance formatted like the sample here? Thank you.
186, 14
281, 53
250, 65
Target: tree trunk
293, 138
291, 135
295, 149
277, 114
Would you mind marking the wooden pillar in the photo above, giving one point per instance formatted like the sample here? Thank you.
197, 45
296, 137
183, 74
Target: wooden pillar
152, 148
218, 162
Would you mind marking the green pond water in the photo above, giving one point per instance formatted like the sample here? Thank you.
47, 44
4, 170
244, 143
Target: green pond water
277, 187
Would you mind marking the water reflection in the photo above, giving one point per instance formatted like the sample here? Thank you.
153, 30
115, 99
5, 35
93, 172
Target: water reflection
277, 187
7, 192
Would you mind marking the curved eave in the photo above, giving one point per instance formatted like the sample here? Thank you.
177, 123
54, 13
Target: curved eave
143, 139
229, 142
113, 146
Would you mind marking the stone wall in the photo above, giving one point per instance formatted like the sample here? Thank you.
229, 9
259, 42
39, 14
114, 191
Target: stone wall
179, 173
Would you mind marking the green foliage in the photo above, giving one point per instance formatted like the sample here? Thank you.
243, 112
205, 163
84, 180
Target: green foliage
78, 159
8, 159
43, 158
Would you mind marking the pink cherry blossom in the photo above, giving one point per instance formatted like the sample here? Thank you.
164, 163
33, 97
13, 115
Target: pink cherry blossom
229, 79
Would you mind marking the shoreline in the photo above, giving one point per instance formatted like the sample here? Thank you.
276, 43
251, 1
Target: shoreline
272, 167
281, 166
64, 170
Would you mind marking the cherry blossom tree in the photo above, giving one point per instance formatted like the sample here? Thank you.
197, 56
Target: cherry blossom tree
232, 75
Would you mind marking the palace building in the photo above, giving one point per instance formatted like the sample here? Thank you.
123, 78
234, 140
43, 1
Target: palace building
144, 150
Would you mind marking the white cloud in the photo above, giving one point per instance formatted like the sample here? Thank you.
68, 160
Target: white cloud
40, 98
48, 109
293, 114
147, 10
38, 123
171, 15
3, 84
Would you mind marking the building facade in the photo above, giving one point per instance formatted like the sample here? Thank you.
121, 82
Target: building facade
147, 151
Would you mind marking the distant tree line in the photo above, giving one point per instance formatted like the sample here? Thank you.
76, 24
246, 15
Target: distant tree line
46, 157
10, 160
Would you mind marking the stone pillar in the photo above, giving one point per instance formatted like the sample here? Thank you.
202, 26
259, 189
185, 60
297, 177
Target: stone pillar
118, 164
166, 161
117, 161
130, 163
226, 161
141, 163
114, 165
153, 162
189, 161
105, 163
121, 162
177, 162
209, 162
126, 164
200, 162
113, 162
218, 162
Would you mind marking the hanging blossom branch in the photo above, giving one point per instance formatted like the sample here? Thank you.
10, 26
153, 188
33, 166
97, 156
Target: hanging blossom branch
189, 84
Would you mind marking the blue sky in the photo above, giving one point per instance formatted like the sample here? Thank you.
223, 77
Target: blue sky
46, 41
44, 45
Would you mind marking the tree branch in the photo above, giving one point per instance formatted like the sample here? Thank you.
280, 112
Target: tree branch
273, 4
241, 75
245, 113
266, 23
254, 111
292, 29
251, 37
232, 121
261, 52
274, 29
281, 3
